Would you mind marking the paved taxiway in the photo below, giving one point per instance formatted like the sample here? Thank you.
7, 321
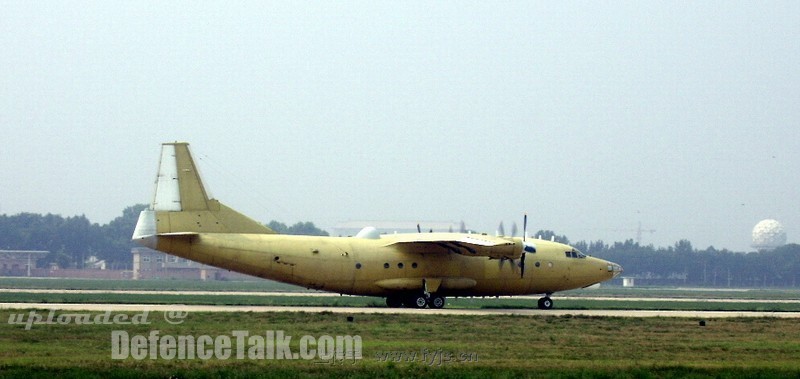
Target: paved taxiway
376, 310
329, 294
367, 310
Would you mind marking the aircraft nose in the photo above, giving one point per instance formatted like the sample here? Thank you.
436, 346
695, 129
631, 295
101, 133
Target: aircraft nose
614, 269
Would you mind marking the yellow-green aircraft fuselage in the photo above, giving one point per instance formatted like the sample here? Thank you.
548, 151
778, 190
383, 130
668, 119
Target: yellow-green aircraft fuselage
413, 270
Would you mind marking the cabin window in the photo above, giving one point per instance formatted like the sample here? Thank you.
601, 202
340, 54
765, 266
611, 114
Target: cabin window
400, 265
537, 264
385, 265
358, 265
414, 265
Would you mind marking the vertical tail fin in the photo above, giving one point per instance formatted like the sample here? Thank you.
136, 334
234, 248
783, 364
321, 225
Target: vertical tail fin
181, 203
178, 185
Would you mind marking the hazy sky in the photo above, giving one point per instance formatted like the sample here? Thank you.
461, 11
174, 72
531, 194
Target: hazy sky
590, 116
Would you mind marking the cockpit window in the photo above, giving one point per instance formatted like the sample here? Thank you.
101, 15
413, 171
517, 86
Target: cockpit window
574, 254
530, 248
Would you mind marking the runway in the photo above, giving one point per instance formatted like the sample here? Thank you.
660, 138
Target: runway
369, 310
330, 294
380, 310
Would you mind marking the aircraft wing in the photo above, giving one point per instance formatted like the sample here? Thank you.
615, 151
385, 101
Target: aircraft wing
471, 245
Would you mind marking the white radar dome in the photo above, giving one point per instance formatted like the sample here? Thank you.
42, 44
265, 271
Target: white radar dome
768, 235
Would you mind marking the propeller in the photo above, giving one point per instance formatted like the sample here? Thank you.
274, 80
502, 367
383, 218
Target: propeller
524, 237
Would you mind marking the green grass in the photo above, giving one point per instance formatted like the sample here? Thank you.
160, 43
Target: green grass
503, 346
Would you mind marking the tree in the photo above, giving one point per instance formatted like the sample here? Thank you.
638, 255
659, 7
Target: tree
300, 228
116, 236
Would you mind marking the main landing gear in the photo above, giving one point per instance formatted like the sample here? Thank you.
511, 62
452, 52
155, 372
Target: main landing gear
435, 301
419, 301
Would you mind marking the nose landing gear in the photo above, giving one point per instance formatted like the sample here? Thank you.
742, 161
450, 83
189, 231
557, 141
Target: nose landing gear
546, 302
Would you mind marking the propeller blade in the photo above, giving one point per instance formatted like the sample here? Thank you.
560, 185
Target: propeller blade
462, 227
524, 236
501, 231
514, 229
525, 227
418, 229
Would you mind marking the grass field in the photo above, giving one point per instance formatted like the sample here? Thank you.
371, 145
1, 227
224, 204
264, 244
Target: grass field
405, 345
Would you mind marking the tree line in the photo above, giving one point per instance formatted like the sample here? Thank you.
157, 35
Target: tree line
683, 265
72, 240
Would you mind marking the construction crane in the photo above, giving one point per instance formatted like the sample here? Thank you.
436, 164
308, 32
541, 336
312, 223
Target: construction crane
638, 231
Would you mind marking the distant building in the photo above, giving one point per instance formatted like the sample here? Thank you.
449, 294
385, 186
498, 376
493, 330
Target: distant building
628, 281
19, 262
153, 264
94, 263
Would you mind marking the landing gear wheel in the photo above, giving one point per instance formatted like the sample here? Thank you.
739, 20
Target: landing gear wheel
394, 301
546, 303
416, 301
436, 302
